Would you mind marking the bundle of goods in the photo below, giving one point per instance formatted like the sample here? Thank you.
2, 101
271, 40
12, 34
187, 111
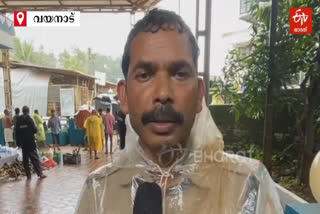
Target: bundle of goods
13, 170
9, 162
47, 159
74, 158
47, 163
7, 152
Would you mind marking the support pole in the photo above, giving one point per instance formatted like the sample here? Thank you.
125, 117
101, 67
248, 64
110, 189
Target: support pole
207, 47
268, 116
206, 33
7, 78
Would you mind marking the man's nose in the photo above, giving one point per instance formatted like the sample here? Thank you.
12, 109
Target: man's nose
163, 92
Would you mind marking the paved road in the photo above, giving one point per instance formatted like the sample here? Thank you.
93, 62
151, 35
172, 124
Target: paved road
57, 194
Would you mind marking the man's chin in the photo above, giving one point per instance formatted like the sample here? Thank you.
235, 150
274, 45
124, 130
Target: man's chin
158, 142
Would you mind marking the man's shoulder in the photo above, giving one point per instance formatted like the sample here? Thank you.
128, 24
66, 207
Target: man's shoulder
101, 173
111, 174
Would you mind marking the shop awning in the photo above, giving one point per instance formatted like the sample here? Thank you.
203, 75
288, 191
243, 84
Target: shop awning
6, 32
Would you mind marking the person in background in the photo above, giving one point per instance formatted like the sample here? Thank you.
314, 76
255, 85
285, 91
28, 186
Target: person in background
40, 135
15, 118
101, 115
121, 117
94, 132
7, 126
55, 125
109, 123
26, 129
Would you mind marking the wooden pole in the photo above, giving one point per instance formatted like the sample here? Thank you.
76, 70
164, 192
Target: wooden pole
7, 78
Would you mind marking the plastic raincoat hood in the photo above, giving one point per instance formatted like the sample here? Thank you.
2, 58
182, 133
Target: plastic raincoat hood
206, 180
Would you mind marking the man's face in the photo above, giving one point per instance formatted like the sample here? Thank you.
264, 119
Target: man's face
162, 93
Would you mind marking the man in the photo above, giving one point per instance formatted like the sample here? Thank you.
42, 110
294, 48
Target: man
109, 123
15, 118
55, 125
122, 128
26, 129
94, 132
174, 141
40, 135
8, 131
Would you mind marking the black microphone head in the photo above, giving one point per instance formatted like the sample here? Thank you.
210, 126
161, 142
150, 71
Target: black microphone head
148, 199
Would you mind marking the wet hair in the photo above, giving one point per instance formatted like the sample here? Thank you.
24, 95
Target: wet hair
108, 110
36, 111
154, 21
17, 111
25, 110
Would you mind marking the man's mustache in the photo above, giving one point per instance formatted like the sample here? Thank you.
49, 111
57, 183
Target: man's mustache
163, 113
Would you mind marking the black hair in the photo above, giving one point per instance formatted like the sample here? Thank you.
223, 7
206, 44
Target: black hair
108, 110
17, 111
25, 110
100, 110
36, 111
152, 22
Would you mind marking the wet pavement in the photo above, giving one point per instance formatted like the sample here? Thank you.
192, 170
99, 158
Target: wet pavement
57, 194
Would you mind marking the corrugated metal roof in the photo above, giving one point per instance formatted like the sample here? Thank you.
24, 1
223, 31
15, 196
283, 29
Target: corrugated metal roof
103, 6
51, 70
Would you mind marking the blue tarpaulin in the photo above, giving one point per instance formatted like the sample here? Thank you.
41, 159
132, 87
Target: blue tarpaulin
2, 142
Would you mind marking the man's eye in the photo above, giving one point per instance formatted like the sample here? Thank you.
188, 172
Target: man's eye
142, 76
182, 74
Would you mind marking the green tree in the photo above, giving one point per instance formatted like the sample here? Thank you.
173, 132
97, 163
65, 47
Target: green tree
25, 52
76, 61
293, 54
84, 61
90, 62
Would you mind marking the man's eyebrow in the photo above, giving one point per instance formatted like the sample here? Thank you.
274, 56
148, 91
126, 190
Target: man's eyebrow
177, 65
147, 66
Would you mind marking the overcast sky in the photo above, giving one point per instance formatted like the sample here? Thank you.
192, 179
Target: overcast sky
107, 33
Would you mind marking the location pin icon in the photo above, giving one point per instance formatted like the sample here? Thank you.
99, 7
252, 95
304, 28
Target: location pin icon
20, 17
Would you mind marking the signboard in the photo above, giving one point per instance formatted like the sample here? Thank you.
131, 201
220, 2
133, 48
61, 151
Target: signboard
67, 101
100, 77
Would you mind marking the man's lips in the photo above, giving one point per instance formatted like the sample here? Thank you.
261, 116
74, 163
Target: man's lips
162, 127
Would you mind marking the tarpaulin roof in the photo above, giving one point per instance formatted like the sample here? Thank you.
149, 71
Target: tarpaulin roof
51, 70
79, 5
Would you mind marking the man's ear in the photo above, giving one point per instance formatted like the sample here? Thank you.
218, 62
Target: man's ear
122, 93
201, 93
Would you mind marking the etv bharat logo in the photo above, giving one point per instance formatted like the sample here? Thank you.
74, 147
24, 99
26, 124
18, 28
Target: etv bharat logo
301, 20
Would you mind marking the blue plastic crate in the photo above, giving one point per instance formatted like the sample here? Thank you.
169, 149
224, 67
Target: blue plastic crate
299, 208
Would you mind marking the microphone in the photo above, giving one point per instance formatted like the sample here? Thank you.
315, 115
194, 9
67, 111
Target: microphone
148, 199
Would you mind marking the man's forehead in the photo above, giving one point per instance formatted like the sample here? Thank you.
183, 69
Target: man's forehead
161, 47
